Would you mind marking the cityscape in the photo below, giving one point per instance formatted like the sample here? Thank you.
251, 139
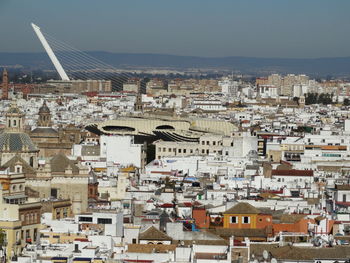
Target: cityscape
133, 156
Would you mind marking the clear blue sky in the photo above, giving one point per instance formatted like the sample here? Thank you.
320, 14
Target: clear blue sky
255, 28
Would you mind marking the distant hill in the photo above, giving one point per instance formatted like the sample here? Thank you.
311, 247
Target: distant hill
316, 67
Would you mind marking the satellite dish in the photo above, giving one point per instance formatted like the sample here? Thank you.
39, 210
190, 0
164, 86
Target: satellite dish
265, 255
273, 260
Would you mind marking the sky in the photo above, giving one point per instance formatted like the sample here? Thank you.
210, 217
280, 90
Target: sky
207, 28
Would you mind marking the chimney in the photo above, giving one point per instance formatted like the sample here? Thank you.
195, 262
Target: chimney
232, 241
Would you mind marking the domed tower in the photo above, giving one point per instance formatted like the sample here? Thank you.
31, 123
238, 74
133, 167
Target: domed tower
44, 116
14, 119
14, 141
44, 136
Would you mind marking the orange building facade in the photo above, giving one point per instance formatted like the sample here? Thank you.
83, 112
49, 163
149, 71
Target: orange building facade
246, 216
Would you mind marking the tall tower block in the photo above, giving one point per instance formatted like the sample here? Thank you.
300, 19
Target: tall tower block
5, 85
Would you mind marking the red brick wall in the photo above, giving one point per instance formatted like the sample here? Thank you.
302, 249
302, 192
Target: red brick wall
93, 191
201, 218
263, 221
301, 226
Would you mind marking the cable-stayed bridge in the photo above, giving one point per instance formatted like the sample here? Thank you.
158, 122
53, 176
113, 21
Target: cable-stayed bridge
74, 65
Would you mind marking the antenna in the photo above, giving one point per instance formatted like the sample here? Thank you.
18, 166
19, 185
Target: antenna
50, 53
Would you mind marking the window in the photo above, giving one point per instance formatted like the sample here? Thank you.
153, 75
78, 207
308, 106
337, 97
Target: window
234, 220
104, 221
58, 213
54, 192
35, 234
246, 219
65, 212
184, 150
85, 219
344, 198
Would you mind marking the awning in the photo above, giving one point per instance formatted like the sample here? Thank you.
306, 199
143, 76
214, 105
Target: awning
11, 197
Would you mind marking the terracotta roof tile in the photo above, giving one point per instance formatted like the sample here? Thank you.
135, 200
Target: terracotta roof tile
300, 253
293, 172
242, 208
153, 233
342, 186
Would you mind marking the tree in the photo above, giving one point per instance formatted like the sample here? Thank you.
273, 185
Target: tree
2, 237
311, 98
3, 243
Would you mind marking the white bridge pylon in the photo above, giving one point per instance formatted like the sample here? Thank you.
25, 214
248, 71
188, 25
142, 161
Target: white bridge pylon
50, 53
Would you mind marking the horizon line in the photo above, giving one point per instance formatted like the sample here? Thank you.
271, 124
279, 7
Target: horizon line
189, 56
